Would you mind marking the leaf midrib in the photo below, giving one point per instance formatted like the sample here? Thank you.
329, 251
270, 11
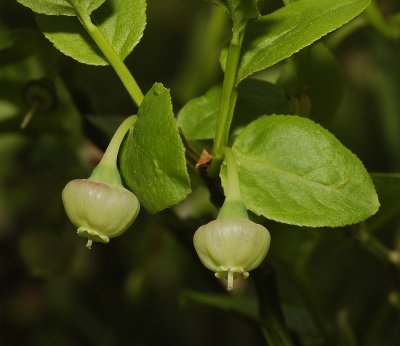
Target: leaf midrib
265, 162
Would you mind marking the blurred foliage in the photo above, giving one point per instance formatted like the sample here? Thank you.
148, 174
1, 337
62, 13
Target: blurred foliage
330, 286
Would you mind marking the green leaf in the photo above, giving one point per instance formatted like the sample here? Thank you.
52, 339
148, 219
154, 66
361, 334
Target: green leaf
153, 158
198, 118
60, 7
242, 11
277, 36
122, 31
294, 171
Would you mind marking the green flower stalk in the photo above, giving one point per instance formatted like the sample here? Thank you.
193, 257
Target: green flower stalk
100, 207
232, 245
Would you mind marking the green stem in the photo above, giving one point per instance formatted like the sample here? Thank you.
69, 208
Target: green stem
109, 52
107, 170
232, 192
111, 154
233, 206
228, 100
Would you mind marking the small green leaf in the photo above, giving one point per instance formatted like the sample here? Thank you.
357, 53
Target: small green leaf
122, 31
153, 158
294, 171
60, 7
277, 36
239, 10
242, 11
198, 118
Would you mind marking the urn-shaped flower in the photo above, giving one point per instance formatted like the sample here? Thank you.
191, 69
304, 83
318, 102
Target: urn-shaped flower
230, 247
100, 206
100, 211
